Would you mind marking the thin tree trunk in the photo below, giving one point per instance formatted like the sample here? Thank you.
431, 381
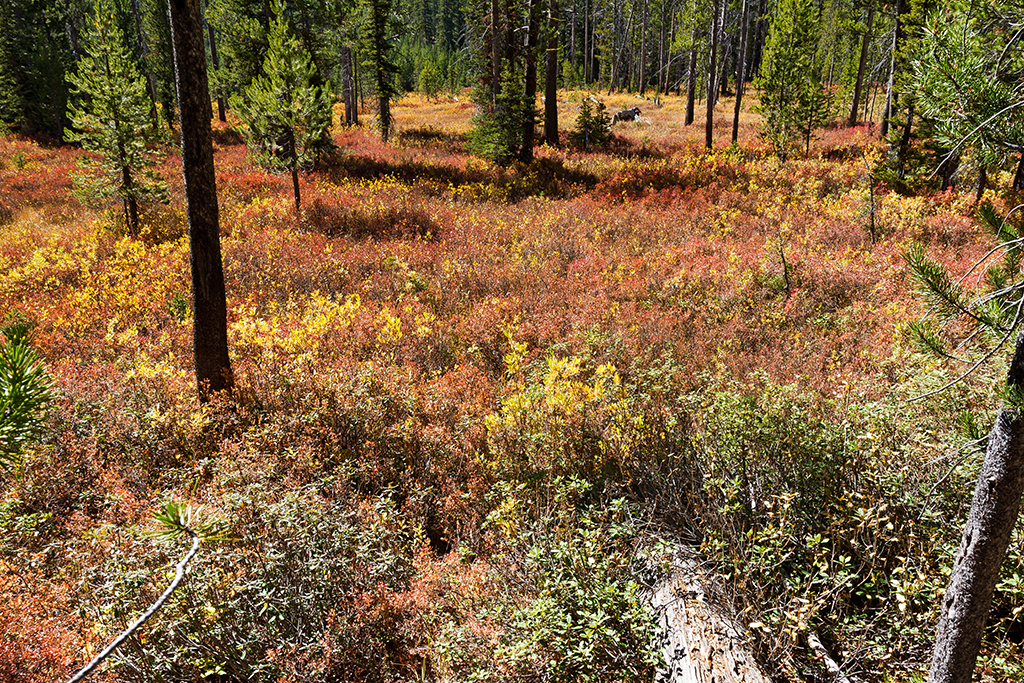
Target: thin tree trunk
901, 159
865, 45
982, 183
294, 158
215, 63
144, 64
741, 61
642, 68
986, 536
618, 57
1018, 177
760, 33
530, 90
209, 304
709, 123
348, 88
948, 169
586, 43
691, 87
495, 52
722, 80
892, 98
551, 78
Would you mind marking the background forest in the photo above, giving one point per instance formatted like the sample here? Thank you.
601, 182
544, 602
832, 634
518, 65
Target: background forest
496, 365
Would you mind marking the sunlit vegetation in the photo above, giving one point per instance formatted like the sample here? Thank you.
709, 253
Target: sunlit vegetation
477, 406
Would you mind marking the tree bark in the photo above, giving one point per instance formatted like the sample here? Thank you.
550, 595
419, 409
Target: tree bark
865, 45
712, 90
530, 89
551, 78
1018, 177
892, 97
986, 536
348, 87
495, 52
948, 169
901, 159
642, 67
691, 86
741, 61
209, 301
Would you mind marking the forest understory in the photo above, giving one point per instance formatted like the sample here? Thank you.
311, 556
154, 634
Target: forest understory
478, 408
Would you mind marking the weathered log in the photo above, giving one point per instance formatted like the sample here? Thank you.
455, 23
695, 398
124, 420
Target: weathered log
702, 642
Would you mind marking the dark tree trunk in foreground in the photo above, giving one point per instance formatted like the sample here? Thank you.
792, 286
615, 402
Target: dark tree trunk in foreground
1018, 177
712, 90
865, 45
551, 78
993, 515
209, 305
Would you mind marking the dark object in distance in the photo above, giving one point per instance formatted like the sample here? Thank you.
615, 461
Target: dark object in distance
627, 115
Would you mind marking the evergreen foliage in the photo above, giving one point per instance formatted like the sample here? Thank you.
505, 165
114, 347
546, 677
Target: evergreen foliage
498, 133
974, 100
960, 319
38, 43
287, 115
10, 89
593, 125
243, 28
112, 120
377, 37
24, 393
793, 101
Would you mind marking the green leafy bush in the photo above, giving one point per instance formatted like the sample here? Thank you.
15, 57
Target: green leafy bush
305, 593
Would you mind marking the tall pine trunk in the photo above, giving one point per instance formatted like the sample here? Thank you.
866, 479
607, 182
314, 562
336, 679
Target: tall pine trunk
712, 89
530, 89
551, 78
209, 304
495, 51
642, 67
865, 45
215, 62
741, 75
348, 86
986, 536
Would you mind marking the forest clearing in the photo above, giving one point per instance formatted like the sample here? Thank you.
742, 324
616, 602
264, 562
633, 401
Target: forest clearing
426, 340
476, 407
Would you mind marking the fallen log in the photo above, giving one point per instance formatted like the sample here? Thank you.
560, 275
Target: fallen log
701, 641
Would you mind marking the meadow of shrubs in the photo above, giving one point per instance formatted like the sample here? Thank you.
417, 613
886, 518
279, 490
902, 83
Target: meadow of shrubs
478, 410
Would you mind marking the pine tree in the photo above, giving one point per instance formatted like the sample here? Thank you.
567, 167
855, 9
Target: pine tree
593, 125
986, 321
10, 89
792, 99
112, 120
965, 83
288, 117
378, 33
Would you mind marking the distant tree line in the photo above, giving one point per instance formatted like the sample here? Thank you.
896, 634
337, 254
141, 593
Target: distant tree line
813, 62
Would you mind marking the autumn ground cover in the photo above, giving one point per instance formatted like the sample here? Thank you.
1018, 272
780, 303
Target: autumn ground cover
478, 408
